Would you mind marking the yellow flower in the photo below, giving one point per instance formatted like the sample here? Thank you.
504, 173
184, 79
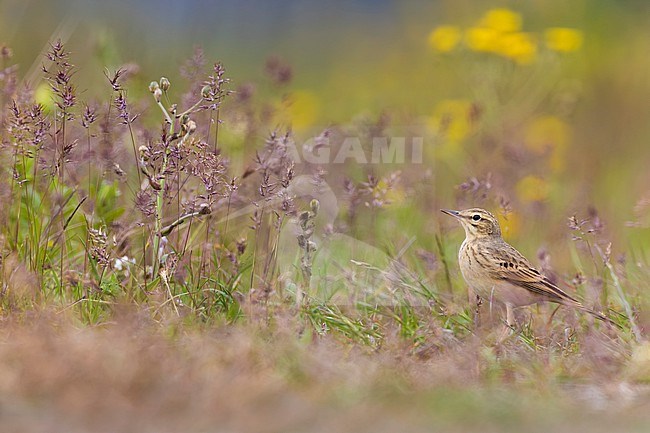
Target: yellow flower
532, 188
451, 119
501, 20
482, 39
510, 224
444, 38
519, 47
299, 109
546, 132
548, 135
498, 32
563, 39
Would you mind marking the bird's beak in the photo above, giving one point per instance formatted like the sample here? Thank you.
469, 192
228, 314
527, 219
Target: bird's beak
453, 213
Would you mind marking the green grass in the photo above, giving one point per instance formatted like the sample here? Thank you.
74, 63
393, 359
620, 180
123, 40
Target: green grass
159, 253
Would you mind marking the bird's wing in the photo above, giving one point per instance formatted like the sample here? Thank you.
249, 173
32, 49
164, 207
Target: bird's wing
512, 267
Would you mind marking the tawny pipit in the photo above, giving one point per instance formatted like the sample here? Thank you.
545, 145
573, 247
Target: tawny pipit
498, 272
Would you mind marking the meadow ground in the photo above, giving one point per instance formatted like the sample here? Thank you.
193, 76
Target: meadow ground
196, 253
133, 374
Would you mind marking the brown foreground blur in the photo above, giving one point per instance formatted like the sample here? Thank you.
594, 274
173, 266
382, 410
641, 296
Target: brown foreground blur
135, 375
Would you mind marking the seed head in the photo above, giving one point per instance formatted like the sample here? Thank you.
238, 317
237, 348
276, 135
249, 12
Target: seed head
165, 84
153, 86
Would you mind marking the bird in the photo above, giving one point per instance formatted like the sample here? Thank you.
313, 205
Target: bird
496, 271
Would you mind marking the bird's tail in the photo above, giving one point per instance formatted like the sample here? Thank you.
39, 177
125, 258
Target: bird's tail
598, 315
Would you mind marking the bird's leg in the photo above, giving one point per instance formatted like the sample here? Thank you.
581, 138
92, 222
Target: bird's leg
509, 325
549, 322
477, 311
510, 315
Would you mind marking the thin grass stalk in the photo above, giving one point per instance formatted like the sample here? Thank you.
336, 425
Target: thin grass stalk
638, 336
13, 186
88, 150
61, 167
207, 226
258, 228
160, 199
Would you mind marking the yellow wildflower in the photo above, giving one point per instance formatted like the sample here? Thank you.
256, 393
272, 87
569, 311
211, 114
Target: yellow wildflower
501, 20
451, 119
299, 109
519, 47
510, 224
444, 38
563, 39
532, 188
546, 132
549, 135
482, 39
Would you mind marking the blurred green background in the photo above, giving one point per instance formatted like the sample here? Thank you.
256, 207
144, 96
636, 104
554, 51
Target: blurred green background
547, 99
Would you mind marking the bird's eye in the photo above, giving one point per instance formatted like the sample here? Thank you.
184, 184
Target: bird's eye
476, 217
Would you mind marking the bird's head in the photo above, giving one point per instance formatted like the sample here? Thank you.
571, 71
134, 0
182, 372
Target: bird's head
478, 223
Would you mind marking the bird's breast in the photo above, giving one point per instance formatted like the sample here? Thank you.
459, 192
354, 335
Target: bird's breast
473, 270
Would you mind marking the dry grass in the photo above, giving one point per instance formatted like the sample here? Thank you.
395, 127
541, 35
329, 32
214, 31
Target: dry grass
131, 374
